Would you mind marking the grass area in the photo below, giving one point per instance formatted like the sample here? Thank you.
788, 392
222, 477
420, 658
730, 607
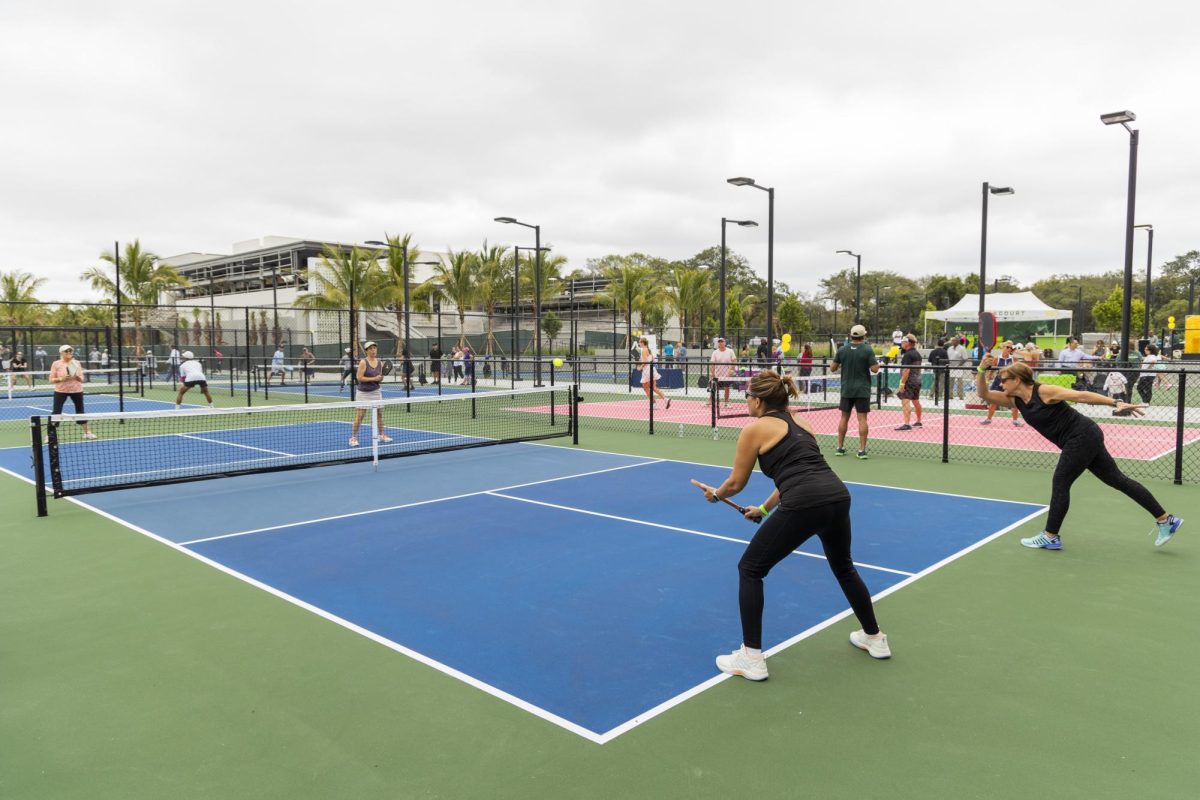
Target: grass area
133, 671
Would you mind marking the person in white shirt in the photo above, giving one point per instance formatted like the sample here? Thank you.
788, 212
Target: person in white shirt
277, 366
897, 337
173, 363
1146, 378
720, 365
191, 374
1115, 386
959, 358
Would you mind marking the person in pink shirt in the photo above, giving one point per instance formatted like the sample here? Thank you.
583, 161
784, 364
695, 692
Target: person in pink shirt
67, 376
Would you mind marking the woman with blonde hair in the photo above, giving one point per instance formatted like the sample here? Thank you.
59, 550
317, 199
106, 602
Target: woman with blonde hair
1048, 411
809, 500
646, 362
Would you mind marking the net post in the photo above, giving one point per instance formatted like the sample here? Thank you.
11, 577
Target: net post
650, 399
945, 413
575, 413
552, 409
376, 411
715, 398
1180, 407
39, 471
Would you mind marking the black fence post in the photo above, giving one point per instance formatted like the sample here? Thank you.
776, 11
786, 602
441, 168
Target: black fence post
945, 387
39, 468
1180, 406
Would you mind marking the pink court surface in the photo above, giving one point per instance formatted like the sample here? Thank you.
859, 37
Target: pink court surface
1139, 442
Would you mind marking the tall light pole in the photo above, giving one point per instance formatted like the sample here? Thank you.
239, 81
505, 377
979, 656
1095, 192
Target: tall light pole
1149, 256
1123, 118
770, 247
745, 223
516, 293
1079, 308
877, 287
857, 283
987, 189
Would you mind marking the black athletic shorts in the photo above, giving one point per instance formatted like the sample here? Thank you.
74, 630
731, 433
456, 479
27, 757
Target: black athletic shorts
860, 404
911, 390
201, 384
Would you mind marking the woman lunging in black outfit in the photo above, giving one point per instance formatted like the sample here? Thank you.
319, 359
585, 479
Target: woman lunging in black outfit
1082, 442
809, 499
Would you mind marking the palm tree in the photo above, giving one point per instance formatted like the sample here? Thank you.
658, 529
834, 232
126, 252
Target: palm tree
494, 280
143, 280
457, 279
18, 286
394, 274
691, 290
629, 287
550, 274
340, 274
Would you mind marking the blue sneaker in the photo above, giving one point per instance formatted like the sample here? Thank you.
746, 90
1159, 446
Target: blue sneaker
1166, 529
1044, 541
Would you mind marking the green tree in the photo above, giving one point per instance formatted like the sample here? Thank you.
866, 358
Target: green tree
629, 286
400, 249
551, 325
17, 289
734, 321
1107, 312
143, 280
494, 286
340, 273
792, 319
457, 278
690, 292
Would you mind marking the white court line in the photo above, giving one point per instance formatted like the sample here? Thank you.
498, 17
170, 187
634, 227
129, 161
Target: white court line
418, 503
234, 444
497, 493
548, 716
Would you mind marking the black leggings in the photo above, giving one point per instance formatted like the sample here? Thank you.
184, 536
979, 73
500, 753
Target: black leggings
60, 400
1087, 452
780, 534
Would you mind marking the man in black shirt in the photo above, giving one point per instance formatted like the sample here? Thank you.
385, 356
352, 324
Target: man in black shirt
435, 363
938, 357
910, 382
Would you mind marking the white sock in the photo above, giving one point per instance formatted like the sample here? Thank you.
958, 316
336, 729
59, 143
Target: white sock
753, 652
177, 406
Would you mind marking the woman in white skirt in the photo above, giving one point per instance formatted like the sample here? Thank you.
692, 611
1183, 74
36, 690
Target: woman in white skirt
647, 365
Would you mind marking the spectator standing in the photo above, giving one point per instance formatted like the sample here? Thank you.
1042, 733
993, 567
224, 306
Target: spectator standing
804, 365
173, 361
857, 363
939, 357
468, 365
763, 353
39, 356
1146, 378
105, 359
347, 364
910, 383
669, 352
720, 366
456, 359
277, 367
897, 337
306, 363
435, 363
20, 369
217, 356
681, 352
1003, 360
957, 363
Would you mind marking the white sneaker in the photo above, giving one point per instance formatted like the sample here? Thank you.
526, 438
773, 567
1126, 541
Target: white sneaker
876, 646
90, 435
738, 663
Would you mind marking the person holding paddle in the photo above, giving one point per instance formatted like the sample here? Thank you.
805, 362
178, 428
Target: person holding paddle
1047, 410
809, 499
67, 376
370, 372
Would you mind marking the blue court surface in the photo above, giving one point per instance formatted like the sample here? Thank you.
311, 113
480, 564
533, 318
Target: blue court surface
536, 573
22, 408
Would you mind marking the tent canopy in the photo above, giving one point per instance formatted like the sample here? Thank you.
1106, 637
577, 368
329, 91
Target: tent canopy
1008, 307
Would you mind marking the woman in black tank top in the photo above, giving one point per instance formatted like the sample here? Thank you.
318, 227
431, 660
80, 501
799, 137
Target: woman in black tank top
1045, 408
809, 499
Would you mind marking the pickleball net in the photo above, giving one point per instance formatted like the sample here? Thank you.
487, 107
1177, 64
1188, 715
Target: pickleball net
161, 447
817, 393
24, 385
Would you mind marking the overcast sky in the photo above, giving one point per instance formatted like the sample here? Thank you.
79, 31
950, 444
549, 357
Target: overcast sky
613, 125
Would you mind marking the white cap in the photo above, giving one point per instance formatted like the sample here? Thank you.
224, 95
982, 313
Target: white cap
65, 348
367, 345
347, 349
188, 354
858, 332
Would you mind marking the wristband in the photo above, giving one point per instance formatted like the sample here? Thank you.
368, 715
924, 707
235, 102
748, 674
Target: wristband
980, 370
763, 509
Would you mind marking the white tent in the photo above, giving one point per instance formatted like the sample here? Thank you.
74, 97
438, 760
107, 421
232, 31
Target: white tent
1007, 306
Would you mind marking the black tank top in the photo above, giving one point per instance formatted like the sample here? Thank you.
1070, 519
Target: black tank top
1058, 422
799, 470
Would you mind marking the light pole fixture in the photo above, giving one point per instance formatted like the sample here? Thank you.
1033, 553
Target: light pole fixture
516, 301
745, 223
537, 291
987, 190
1123, 118
1149, 256
857, 283
770, 247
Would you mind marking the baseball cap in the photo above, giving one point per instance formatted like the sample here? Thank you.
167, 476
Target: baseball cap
65, 348
347, 349
858, 332
367, 345
188, 354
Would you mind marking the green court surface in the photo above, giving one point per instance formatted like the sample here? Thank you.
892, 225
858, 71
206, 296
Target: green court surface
128, 670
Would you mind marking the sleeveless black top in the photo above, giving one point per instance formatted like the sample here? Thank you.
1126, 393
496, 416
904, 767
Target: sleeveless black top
1058, 422
799, 470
